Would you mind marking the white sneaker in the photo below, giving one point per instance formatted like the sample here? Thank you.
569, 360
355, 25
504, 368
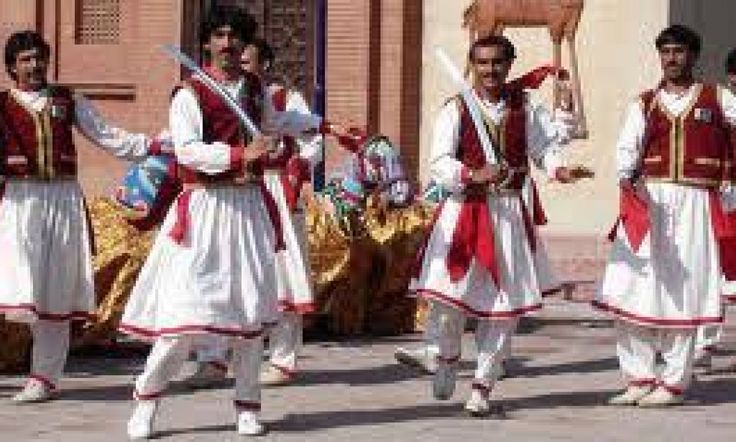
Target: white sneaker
661, 397
33, 392
207, 375
419, 358
478, 404
272, 377
249, 425
140, 424
631, 396
444, 379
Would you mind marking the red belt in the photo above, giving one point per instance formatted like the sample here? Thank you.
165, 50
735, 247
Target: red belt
181, 226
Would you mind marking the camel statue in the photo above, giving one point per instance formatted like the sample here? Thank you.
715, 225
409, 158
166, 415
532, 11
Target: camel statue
561, 17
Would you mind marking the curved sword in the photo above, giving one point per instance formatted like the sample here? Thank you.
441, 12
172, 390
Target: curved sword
471, 101
214, 86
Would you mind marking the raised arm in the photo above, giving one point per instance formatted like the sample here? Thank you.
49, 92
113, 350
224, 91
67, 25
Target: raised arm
121, 143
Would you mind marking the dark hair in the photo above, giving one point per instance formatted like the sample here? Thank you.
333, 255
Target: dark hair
265, 52
731, 62
243, 23
509, 51
23, 41
679, 35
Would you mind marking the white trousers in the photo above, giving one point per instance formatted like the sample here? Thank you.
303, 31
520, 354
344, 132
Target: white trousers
432, 334
212, 348
285, 342
491, 339
50, 350
169, 354
637, 349
707, 338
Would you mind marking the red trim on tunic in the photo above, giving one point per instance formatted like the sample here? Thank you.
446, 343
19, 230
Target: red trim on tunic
47, 316
300, 308
43, 379
643, 382
445, 299
187, 329
147, 397
657, 322
729, 299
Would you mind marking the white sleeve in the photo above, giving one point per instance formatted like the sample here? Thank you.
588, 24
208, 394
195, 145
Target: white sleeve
123, 144
289, 122
728, 104
310, 146
445, 169
544, 139
629, 144
185, 123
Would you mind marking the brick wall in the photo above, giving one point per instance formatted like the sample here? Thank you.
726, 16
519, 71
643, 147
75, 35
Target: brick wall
373, 71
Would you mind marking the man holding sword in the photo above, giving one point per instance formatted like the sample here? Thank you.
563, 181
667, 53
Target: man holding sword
211, 269
478, 259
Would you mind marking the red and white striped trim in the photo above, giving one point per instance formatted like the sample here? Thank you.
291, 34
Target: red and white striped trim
148, 334
657, 322
643, 382
46, 316
445, 299
147, 396
286, 371
247, 405
300, 308
42, 379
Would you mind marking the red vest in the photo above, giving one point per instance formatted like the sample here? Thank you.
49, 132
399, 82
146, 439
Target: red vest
693, 148
38, 144
509, 139
221, 124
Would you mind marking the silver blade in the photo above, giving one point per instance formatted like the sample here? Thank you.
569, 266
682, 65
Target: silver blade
215, 87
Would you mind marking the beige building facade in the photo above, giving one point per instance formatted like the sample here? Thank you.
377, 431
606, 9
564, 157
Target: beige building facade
617, 60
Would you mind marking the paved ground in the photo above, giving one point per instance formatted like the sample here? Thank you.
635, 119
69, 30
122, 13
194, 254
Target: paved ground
563, 370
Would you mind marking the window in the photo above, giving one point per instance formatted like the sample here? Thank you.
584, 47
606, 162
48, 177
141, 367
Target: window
98, 22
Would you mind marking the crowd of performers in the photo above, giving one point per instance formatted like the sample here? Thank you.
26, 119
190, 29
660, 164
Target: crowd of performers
229, 266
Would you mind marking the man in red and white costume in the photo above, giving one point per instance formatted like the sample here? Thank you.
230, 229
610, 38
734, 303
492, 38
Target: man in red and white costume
664, 275
564, 122
478, 259
211, 268
46, 274
286, 170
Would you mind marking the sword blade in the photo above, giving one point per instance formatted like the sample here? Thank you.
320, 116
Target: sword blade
471, 101
214, 86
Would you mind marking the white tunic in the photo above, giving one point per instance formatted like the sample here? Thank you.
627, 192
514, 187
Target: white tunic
476, 294
674, 279
46, 269
295, 291
221, 280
